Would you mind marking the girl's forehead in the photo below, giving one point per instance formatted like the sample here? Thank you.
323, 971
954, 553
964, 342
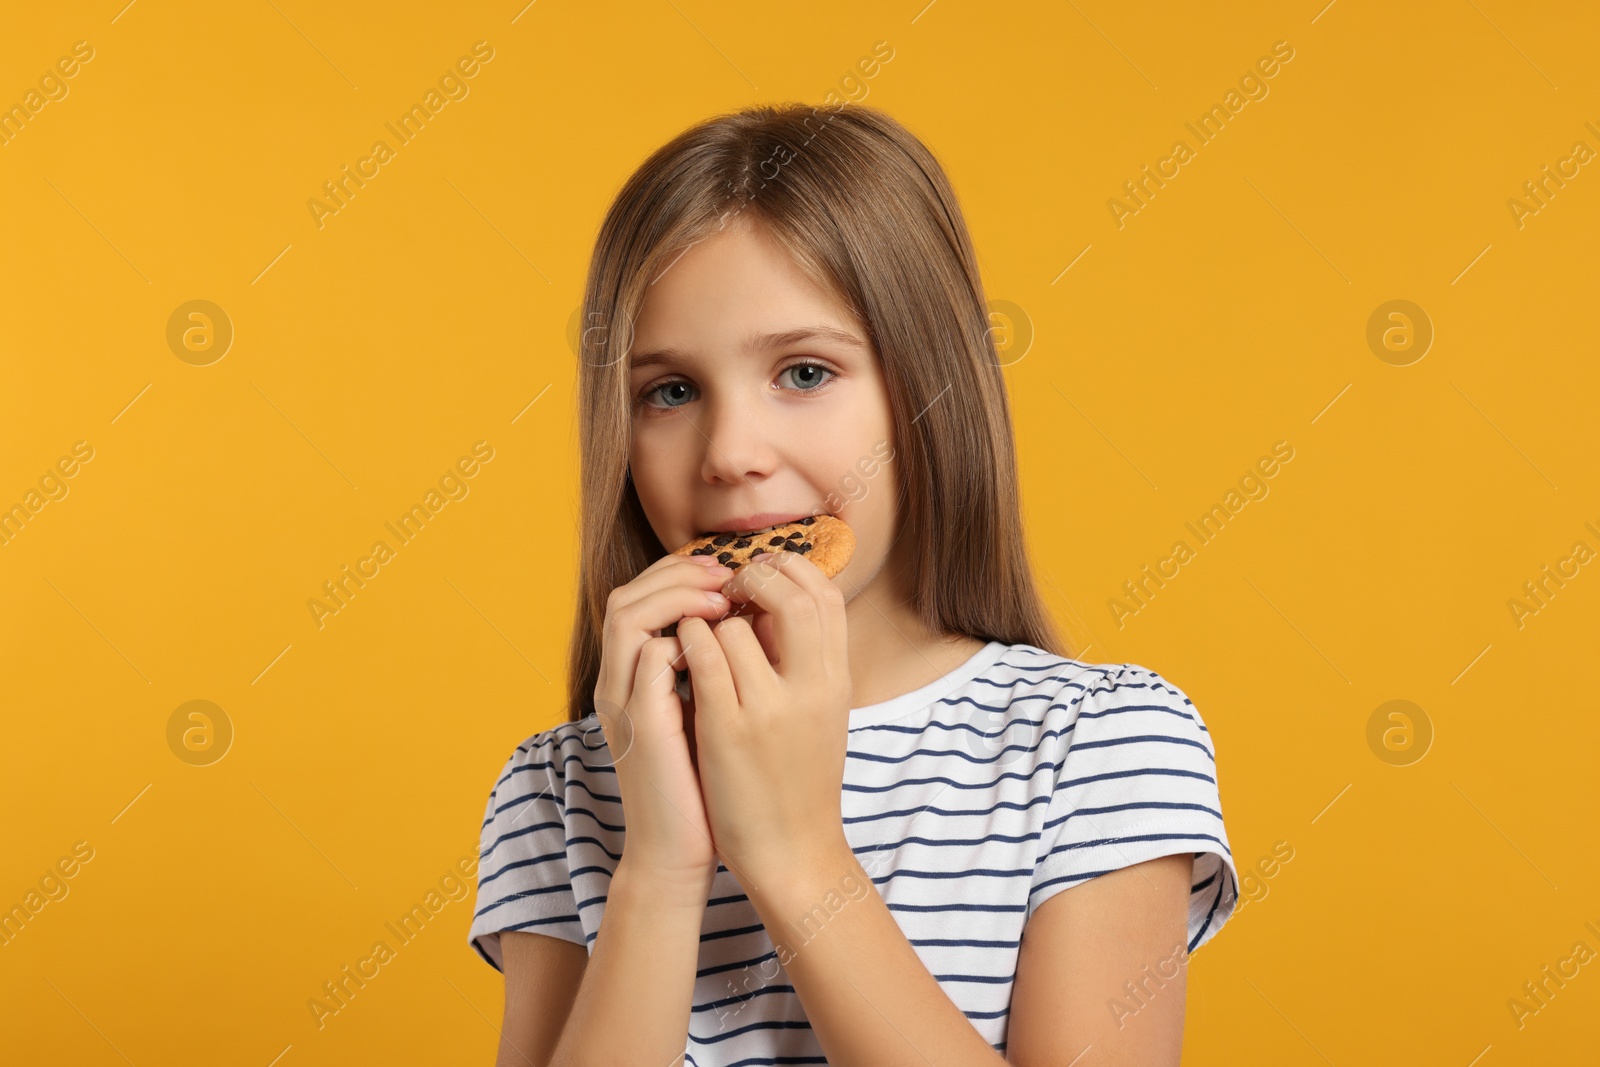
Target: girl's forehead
739, 293
727, 271
828, 335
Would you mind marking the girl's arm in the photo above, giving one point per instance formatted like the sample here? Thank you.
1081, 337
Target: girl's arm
868, 996
542, 975
633, 1003
1103, 971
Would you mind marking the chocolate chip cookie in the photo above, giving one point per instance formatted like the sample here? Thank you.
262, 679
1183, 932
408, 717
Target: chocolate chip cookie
825, 540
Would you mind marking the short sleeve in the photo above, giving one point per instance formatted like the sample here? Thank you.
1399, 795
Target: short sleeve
1137, 780
524, 882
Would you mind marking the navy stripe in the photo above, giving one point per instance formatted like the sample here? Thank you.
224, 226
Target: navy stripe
486, 853
754, 1061
561, 768
969, 757
538, 892
736, 932
1209, 916
970, 872
964, 942
1138, 738
986, 979
1001, 1014
1008, 776
1028, 681
736, 965
1123, 709
1053, 663
544, 794
574, 809
780, 1024
1125, 840
579, 872
759, 991
616, 857
962, 906
964, 842
1172, 771
1136, 805
930, 752
576, 783
1042, 799
544, 922
935, 724
1086, 875
516, 864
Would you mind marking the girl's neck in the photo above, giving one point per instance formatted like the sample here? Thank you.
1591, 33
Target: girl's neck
891, 652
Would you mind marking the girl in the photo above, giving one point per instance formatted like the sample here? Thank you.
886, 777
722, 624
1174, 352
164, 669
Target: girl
888, 821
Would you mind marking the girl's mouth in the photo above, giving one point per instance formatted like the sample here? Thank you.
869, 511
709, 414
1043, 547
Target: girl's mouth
754, 524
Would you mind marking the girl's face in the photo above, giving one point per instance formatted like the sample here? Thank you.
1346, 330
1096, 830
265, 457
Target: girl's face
757, 400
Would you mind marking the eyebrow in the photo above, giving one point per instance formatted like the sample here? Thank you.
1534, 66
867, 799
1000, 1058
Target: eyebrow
761, 342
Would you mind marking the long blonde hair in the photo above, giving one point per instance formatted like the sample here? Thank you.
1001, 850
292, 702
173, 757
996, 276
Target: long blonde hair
867, 213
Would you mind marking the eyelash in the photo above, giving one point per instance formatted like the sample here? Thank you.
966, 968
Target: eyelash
644, 395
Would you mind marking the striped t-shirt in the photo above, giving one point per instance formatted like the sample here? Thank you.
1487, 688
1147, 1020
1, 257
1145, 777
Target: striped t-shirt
969, 802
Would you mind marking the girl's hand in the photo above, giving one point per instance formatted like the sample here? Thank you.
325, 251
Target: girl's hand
772, 737
667, 831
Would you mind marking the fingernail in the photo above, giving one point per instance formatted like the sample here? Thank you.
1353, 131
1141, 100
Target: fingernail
717, 600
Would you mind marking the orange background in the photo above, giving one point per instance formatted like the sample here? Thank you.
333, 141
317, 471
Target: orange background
433, 311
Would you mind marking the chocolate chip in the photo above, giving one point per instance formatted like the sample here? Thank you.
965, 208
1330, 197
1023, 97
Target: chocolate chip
706, 551
733, 566
723, 540
790, 546
776, 540
743, 542
793, 534
806, 547
808, 520
723, 557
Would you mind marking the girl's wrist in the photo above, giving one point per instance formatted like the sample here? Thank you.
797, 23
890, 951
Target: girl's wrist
797, 859
662, 887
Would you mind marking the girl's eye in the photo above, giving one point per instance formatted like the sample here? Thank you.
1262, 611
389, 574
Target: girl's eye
806, 377
810, 379
673, 388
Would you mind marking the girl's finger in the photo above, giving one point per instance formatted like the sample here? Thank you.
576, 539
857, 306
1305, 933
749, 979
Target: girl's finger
629, 623
708, 668
788, 585
666, 606
830, 602
616, 721
669, 571
746, 661
654, 675
761, 623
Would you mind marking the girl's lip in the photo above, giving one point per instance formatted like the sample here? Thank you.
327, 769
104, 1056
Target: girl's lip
755, 523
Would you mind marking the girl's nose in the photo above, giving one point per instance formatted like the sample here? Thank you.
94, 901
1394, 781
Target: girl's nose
737, 445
